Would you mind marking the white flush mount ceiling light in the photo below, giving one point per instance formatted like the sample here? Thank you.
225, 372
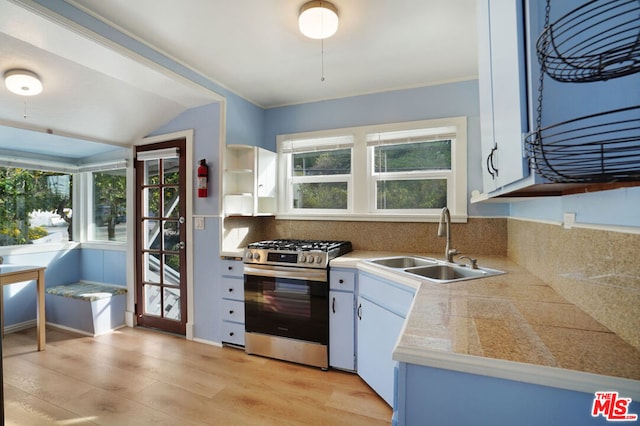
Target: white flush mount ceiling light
318, 19
22, 82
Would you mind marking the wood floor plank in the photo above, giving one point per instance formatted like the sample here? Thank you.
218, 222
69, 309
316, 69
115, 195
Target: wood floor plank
23, 409
136, 376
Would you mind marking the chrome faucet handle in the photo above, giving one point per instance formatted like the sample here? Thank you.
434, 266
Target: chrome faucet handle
474, 262
450, 254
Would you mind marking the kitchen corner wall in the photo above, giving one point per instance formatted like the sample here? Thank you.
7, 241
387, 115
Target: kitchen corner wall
597, 270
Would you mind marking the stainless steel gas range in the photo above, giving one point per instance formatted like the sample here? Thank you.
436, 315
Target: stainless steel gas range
286, 291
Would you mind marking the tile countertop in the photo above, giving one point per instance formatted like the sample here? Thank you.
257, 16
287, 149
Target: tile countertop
512, 326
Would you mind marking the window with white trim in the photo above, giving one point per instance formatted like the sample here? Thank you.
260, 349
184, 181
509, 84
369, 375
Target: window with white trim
402, 171
36, 197
318, 173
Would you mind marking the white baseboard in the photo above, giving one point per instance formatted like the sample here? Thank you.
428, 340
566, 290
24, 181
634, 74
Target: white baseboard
13, 328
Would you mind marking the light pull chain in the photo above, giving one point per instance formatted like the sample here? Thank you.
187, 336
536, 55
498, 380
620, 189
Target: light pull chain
322, 59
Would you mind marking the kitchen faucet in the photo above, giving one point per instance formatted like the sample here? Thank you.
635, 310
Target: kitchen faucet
445, 219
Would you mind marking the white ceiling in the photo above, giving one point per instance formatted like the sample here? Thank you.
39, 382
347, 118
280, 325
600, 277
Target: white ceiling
251, 47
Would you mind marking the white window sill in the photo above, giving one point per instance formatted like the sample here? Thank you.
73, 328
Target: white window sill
369, 217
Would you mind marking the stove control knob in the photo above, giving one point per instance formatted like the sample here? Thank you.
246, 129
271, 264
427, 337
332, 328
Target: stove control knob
256, 256
303, 258
318, 259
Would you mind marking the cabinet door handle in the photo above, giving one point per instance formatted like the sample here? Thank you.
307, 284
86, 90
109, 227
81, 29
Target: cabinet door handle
341, 281
230, 268
360, 311
333, 305
493, 152
230, 290
231, 334
489, 166
231, 312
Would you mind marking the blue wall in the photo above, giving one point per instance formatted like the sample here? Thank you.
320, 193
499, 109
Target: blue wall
104, 266
63, 267
205, 121
424, 103
619, 207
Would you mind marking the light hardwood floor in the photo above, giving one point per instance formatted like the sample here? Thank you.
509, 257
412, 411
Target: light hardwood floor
135, 376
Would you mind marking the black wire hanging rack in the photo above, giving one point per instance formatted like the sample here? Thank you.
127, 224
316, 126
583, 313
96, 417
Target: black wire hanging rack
603, 147
597, 41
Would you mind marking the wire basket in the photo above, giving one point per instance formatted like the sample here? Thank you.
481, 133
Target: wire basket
603, 147
597, 41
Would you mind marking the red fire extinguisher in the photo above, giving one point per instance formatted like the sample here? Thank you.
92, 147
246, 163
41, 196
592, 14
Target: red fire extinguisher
203, 178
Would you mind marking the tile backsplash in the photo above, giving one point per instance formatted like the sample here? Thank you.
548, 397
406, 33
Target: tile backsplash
477, 236
597, 270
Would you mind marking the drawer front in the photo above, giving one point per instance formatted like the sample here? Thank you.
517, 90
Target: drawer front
342, 280
233, 288
233, 268
233, 333
391, 296
232, 310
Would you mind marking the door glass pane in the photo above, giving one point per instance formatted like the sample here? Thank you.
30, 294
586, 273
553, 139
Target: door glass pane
172, 303
152, 301
171, 171
171, 235
152, 231
151, 273
172, 269
171, 202
151, 171
152, 197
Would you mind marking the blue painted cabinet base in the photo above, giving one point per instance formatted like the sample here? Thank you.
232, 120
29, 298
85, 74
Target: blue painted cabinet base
86, 316
433, 396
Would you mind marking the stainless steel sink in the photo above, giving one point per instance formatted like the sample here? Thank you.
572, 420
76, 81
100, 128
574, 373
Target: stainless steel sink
403, 262
447, 272
433, 270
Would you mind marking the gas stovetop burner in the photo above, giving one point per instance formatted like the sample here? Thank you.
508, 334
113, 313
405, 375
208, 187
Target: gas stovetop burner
298, 245
286, 252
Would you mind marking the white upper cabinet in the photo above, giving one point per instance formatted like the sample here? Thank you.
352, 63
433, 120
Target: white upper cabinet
502, 91
249, 182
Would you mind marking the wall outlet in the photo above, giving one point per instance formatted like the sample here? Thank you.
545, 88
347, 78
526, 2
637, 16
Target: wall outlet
569, 220
198, 222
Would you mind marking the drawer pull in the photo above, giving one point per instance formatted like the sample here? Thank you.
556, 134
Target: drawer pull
230, 290
230, 268
231, 334
231, 312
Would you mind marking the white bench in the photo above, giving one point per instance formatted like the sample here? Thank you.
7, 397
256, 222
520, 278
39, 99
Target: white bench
86, 308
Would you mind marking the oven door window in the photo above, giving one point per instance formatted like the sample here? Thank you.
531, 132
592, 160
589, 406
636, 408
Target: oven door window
286, 307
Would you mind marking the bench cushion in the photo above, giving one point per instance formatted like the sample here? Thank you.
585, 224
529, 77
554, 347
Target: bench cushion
86, 291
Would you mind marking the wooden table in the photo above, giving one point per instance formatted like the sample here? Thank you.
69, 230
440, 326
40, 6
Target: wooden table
11, 274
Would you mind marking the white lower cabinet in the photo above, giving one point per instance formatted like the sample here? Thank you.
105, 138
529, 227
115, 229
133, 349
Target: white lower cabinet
381, 311
232, 302
342, 284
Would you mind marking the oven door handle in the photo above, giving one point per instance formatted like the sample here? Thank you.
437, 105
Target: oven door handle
306, 274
